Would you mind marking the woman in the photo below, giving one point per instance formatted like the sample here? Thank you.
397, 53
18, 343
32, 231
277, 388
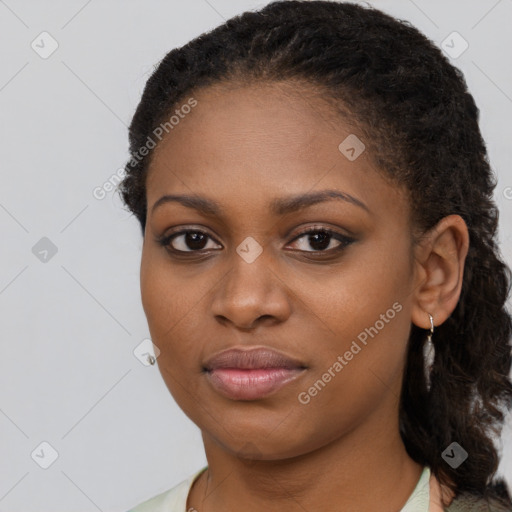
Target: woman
319, 269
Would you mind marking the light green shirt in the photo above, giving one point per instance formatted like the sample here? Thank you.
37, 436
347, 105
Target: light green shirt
175, 499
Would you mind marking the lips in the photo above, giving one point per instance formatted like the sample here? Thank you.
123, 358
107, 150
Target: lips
251, 374
251, 359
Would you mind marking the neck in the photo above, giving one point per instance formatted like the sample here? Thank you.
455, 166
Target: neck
366, 469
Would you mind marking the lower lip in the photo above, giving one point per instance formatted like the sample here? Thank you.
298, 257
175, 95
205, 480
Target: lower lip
240, 384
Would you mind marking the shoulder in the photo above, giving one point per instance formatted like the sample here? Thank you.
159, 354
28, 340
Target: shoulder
172, 500
466, 502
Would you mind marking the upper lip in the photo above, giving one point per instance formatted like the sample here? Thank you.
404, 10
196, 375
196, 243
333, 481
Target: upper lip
253, 358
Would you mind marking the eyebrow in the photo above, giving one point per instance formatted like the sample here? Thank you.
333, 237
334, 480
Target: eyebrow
281, 206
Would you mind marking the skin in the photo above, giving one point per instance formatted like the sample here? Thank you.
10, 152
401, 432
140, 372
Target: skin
243, 146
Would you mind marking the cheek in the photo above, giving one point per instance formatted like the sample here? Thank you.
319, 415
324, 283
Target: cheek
355, 374
166, 296
173, 302
156, 295
172, 313
366, 307
163, 300
353, 296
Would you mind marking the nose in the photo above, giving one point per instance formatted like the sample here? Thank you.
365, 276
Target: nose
251, 294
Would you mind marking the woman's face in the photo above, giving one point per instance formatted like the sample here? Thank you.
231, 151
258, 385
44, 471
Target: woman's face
336, 301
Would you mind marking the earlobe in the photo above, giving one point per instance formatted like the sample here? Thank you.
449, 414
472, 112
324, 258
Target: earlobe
440, 258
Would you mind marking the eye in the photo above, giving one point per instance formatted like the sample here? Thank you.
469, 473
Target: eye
187, 241
322, 239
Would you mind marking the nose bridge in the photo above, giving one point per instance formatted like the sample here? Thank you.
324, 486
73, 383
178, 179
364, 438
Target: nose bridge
248, 280
249, 290
249, 270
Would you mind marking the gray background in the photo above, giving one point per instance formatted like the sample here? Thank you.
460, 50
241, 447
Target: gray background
70, 322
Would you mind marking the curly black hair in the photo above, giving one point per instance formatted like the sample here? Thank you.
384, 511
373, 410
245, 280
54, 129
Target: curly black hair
421, 125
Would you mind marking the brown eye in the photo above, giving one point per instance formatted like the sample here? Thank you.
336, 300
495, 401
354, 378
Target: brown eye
188, 241
322, 240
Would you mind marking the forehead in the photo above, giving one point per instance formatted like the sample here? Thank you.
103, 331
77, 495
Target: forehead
243, 142
230, 118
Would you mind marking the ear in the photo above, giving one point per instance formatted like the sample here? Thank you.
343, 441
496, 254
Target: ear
439, 269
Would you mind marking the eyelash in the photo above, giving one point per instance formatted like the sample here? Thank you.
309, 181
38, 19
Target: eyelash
344, 240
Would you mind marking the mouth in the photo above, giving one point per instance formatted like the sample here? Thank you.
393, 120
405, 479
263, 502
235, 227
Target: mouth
251, 374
